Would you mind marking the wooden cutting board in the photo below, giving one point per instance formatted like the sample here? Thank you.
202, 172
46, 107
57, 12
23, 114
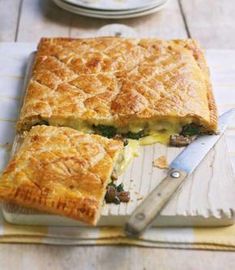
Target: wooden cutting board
206, 199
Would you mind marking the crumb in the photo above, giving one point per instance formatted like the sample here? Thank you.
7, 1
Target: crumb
160, 162
140, 198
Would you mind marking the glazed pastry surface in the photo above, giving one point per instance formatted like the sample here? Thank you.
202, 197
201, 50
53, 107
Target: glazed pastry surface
61, 171
117, 81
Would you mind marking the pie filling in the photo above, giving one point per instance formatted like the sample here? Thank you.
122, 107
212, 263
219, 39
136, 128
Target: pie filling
173, 132
125, 157
116, 193
176, 135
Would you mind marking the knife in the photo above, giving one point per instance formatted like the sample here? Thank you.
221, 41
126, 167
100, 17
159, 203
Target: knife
182, 166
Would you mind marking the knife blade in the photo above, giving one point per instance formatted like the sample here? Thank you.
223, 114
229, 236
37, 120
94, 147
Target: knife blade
183, 165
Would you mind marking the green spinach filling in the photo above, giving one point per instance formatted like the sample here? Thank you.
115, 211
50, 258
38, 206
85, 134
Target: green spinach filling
106, 131
190, 130
110, 132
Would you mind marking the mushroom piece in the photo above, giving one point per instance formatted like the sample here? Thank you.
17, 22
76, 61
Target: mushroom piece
180, 140
124, 196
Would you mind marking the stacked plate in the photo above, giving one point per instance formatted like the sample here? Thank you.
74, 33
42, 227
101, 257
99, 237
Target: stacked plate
112, 9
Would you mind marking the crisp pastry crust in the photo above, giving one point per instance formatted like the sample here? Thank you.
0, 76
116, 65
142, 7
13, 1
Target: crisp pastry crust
116, 81
62, 171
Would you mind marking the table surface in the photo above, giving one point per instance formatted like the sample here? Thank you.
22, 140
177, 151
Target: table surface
212, 22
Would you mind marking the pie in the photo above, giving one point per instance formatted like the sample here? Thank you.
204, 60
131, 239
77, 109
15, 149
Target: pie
62, 171
80, 89
139, 88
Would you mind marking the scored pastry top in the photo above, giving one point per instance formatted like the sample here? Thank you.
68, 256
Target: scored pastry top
115, 81
62, 171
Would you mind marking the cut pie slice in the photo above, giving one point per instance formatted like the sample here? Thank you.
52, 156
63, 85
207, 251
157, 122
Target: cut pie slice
135, 87
62, 171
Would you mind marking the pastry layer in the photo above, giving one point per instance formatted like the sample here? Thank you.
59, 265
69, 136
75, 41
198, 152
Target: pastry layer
125, 83
62, 171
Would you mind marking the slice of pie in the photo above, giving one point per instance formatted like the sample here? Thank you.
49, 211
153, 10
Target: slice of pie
139, 88
61, 171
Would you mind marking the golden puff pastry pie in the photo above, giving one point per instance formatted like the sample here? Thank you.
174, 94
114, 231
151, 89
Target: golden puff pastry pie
61, 171
108, 85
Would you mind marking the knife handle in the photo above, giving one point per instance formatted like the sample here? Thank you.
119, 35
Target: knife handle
146, 212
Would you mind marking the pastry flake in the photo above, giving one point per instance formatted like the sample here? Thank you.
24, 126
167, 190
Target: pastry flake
135, 87
161, 162
61, 171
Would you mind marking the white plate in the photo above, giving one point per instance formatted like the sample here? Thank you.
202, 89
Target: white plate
111, 12
107, 15
113, 4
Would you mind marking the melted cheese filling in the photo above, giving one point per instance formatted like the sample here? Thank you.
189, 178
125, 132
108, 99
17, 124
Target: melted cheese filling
158, 131
159, 137
126, 156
